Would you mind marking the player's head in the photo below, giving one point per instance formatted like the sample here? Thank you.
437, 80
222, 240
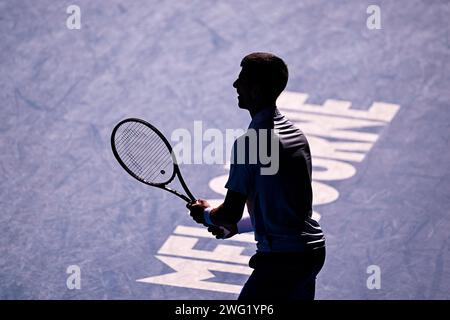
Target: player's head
262, 78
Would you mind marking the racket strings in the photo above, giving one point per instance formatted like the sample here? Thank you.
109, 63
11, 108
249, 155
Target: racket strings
153, 160
158, 158
144, 152
155, 171
157, 151
124, 136
125, 147
128, 135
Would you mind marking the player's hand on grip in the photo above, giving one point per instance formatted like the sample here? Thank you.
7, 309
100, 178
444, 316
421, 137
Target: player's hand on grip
197, 209
223, 232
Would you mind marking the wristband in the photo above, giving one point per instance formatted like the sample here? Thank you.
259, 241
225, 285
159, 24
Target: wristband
207, 216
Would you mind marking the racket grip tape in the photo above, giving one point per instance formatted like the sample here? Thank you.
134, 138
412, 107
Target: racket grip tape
226, 232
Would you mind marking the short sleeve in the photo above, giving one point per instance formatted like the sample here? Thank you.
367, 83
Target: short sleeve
239, 179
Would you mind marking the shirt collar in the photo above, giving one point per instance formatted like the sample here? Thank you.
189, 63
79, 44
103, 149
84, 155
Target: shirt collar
263, 115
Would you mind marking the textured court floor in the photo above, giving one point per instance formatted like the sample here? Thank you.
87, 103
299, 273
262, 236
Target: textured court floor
374, 104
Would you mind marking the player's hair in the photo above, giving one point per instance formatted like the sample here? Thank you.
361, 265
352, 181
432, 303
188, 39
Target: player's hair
268, 71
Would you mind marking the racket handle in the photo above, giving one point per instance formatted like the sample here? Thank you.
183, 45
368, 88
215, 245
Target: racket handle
226, 232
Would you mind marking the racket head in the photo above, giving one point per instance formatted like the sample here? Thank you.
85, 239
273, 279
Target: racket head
144, 152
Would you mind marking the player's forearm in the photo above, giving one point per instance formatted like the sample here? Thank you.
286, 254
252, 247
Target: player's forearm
224, 215
230, 211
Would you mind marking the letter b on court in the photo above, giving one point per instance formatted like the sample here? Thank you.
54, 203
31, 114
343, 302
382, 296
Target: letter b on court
374, 280
74, 278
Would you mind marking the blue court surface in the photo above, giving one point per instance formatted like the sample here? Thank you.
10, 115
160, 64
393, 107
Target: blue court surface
374, 104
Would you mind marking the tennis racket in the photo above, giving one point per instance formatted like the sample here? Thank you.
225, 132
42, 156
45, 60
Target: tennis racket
144, 152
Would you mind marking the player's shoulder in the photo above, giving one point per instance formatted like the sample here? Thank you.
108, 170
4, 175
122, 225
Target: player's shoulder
286, 128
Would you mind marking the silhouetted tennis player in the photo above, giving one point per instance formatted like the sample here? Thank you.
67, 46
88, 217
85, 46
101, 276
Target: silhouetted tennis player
290, 244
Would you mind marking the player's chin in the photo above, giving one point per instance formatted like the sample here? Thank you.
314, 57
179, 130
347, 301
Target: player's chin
242, 105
